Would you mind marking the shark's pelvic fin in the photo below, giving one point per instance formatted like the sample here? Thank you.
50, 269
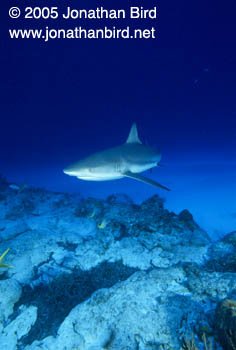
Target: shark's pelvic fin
144, 179
133, 135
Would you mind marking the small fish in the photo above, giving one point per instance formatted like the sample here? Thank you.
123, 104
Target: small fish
1, 259
14, 187
17, 187
92, 215
103, 224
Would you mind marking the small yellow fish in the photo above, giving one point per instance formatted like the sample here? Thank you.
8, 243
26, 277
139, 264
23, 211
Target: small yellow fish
103, 224
1, 259
92, 215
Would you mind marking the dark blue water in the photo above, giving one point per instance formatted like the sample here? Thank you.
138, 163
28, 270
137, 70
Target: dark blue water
65, 99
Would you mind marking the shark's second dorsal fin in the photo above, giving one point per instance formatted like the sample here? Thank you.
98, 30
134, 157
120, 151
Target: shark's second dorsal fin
133, 135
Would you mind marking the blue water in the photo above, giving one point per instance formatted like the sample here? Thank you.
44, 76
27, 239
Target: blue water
63, 100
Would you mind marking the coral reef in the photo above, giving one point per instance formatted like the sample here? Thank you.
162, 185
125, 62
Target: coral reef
225, 323
109, 274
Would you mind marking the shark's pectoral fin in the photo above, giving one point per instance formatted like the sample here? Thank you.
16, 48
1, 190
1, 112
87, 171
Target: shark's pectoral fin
144, 179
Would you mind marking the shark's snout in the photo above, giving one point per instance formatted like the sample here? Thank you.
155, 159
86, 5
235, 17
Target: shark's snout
69, 171
77, 170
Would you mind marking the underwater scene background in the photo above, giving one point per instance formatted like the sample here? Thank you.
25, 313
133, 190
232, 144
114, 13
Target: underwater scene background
89, 259
63, 100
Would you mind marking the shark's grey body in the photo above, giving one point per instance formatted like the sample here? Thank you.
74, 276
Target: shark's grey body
126, 160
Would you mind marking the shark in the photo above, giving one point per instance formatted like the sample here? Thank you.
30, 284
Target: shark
126, 160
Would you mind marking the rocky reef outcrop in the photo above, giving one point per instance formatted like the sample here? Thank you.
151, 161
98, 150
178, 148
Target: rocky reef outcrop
109, 274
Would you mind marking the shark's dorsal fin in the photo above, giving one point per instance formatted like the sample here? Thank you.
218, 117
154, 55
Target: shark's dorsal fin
133, 135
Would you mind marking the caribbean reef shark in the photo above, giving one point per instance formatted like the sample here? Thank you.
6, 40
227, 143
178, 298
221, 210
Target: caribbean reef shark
127, 160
